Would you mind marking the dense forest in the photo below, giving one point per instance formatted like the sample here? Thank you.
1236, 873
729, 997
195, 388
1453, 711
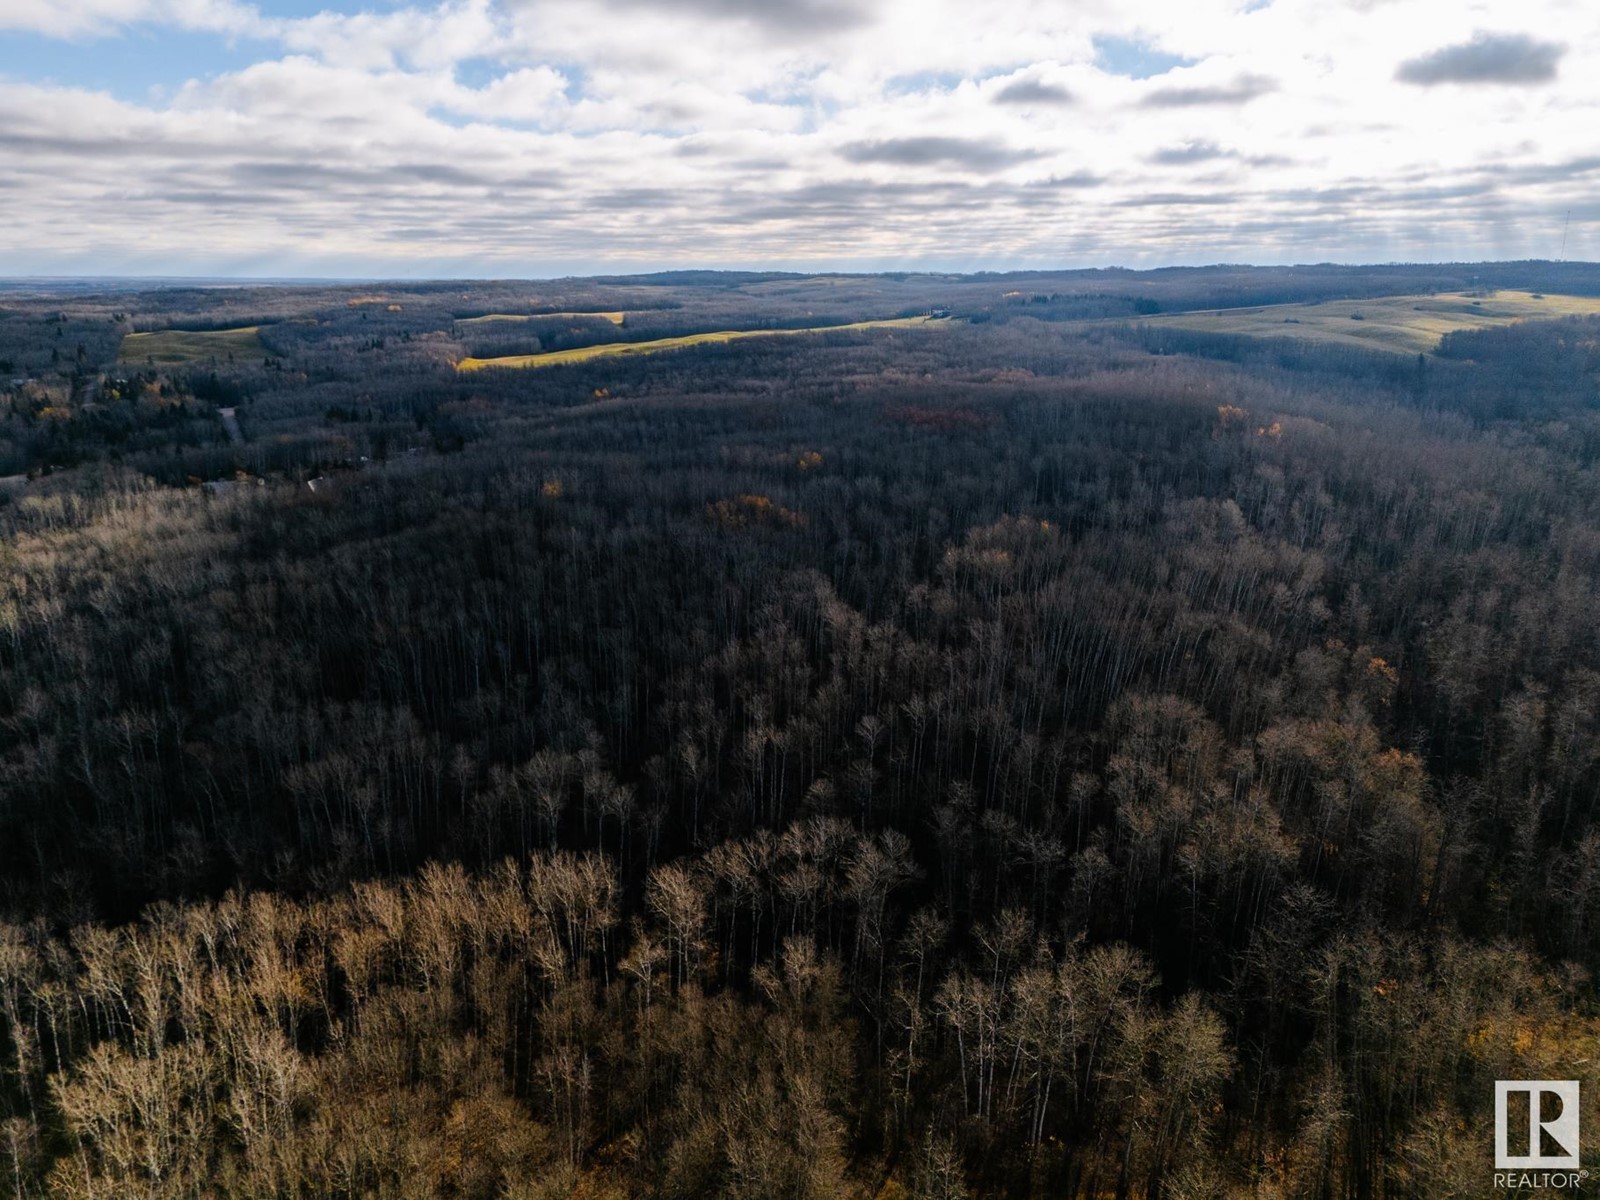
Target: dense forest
1037, 754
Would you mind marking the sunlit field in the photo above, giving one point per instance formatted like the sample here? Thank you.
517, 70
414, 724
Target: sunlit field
615, 318
1402, 324
556, 358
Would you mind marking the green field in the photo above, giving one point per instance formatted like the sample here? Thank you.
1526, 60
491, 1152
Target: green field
614, 317
1402, 324
185, 345
556, 358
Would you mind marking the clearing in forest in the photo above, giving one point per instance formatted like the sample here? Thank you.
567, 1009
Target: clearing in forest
1402, 324
190, 345
555, 358
614, 317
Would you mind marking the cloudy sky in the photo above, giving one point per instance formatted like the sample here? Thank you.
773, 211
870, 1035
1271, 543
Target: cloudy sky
533, 137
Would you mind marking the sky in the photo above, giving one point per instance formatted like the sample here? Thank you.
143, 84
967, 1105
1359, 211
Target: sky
390, 138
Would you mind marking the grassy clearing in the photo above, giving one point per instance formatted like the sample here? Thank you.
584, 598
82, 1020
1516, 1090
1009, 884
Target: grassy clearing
186, 345
614, 317
556, 358
1402, 324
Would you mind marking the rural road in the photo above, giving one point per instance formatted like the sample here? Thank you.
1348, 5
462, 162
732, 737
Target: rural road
231, 424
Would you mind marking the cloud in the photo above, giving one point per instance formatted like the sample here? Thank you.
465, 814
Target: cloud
429, 38
857, 201
785, 16
1077, 179
1514, 58
1189, 152
101, 18
971, 154
1560, 172
1033, 91
1177, 199
1239, 91
527, 94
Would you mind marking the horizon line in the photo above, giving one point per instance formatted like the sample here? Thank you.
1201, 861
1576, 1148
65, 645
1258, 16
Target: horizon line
292, 280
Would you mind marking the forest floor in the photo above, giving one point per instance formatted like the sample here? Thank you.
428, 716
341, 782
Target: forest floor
187, 345
1401, 324
555, 358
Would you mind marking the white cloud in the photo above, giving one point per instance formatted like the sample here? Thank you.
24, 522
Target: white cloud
88, 18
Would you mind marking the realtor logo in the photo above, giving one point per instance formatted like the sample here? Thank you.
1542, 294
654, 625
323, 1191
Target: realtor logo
1551, 1138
